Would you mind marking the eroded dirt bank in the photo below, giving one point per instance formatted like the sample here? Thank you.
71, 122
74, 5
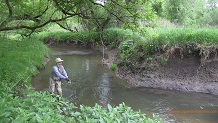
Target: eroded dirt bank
176, 74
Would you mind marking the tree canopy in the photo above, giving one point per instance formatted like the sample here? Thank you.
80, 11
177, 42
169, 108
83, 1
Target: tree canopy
93, 15
34, 14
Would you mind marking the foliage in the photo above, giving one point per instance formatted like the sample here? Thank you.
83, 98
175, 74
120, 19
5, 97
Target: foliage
118, 14
209, 19
118, 114
164, 23
113, 67
79, 37
174, 10
189, 13
35, 107
100, 18
25, 14
163, 61
111, 37
157, 6
31, 16
114, 36
45, 108
18, 67
186, 36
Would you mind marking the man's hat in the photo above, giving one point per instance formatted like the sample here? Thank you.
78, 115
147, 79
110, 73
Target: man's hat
58, 60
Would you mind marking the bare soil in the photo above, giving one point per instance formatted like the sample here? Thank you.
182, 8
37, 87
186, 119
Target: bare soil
177, 74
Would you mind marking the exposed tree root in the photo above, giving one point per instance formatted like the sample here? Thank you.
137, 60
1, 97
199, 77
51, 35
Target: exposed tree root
174, 51
48, 41
206, 53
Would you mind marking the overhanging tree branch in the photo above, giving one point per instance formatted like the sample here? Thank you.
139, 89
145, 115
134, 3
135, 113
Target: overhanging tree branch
33, 27
67, 28
30, 17
9, 8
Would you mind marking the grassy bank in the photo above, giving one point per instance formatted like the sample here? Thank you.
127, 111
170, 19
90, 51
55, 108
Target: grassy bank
185, 36
110, 37
19, 61
136, 48
19, 104
169, 43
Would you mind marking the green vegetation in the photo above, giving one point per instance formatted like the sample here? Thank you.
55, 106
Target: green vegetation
31, 16
41, 107
111, 37
188, 13
121, 113
58, 37
113, 67
186, 36
19, 61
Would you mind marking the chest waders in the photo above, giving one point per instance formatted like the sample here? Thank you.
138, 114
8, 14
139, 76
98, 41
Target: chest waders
55, 82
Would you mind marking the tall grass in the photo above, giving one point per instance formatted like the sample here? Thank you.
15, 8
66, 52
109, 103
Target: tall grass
19, 60
186, 36
69, 36
111, 37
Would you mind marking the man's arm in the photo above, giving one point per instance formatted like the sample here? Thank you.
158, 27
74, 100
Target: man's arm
56, 71
64, 72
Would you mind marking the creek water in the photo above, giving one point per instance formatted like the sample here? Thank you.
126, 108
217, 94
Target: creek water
93, 83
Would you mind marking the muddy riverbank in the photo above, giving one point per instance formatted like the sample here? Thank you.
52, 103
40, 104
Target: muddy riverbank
177, 74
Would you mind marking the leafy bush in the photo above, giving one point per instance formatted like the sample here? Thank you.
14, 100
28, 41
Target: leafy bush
210, 18
117, 35
36, 107
118, 114
46, 108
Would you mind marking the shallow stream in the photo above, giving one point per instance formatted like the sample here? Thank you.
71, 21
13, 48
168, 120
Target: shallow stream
93, 83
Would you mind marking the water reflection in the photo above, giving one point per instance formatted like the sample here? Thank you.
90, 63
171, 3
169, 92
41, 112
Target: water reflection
92, 83
87, 65
104, 90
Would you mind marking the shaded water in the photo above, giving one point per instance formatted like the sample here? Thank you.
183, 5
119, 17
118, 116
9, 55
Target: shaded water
93, 83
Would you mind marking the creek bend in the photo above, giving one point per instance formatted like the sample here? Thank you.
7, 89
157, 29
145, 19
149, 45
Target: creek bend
93, 83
